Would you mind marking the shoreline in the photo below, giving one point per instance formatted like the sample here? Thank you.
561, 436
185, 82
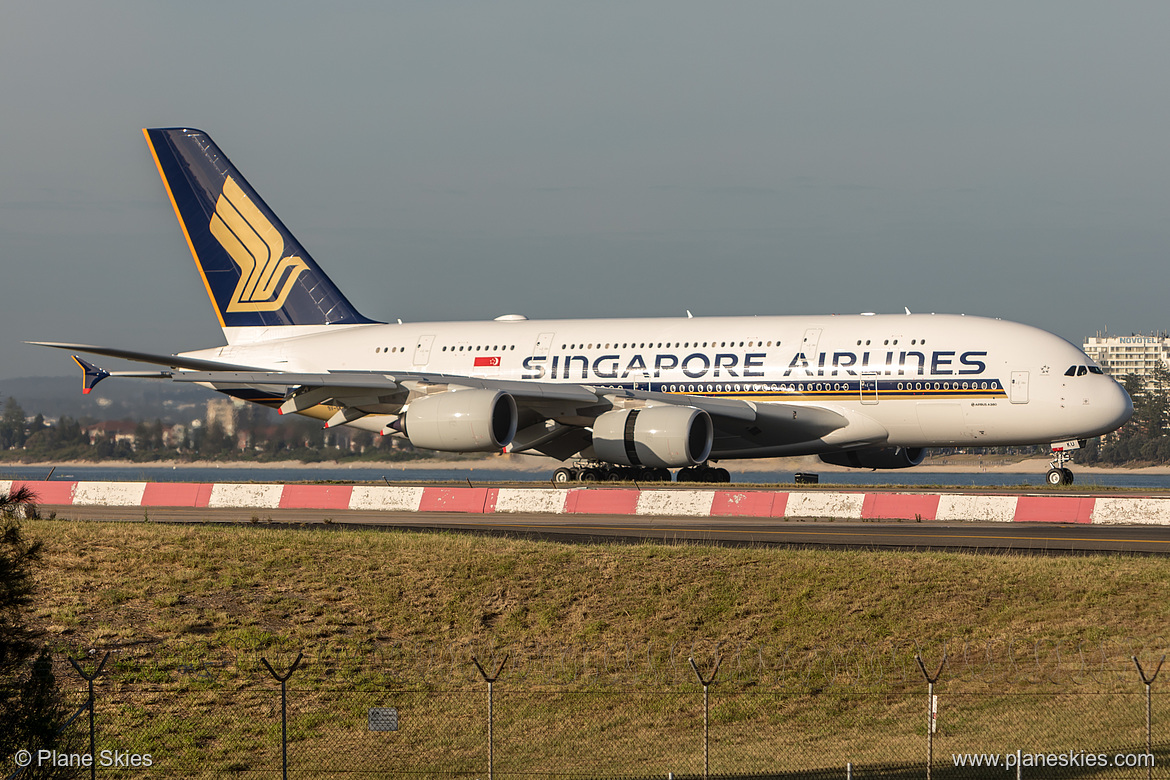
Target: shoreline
999, 465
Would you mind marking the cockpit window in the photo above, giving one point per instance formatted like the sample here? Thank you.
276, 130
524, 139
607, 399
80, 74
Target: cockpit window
1095, 370
1072, 371
1082, 370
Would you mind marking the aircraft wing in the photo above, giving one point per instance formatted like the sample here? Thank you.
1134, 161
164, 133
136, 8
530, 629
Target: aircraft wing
552, 414
344, 382
350, 383
552, 419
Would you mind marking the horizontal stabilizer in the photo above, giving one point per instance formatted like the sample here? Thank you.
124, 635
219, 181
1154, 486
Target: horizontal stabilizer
91, 374
172, 361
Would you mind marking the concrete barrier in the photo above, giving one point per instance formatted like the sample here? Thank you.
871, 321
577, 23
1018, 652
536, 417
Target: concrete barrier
839, 506
109, 493
716, 502
386, 499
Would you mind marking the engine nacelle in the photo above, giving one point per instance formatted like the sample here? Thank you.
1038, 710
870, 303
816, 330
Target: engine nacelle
462, 421
878, 458
657, 436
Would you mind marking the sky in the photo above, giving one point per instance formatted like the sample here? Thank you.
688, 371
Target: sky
464, 160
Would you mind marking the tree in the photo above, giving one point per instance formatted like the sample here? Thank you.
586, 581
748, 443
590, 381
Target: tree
1144, 437
31, 707
13, 429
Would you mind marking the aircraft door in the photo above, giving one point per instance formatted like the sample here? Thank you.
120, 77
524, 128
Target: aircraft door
869, 388
422, 350
1019, 389
543, 344
812, 337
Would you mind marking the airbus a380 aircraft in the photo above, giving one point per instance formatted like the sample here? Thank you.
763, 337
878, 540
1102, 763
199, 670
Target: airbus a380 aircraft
631, 397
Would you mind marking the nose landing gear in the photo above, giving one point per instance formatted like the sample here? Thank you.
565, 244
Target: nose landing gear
1059, 473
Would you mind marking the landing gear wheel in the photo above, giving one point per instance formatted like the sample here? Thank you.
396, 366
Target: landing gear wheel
1059, 474
702, 473
563, 475
660, 475
588, 475
613, 476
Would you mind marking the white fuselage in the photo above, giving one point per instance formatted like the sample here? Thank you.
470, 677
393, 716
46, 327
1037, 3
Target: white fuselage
926, 380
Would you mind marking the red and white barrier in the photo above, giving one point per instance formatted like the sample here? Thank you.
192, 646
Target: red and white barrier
725, 502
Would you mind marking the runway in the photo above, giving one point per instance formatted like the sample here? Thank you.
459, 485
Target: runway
1032, 538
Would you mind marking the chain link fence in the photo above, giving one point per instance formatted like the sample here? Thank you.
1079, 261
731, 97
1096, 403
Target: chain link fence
837, 712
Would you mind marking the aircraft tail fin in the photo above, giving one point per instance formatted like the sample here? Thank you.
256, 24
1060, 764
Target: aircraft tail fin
256, 273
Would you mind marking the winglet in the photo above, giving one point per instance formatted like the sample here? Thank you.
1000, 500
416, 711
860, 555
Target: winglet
91, 374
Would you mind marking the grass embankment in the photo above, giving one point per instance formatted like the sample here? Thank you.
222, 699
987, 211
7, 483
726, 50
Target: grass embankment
148, 589
817, 645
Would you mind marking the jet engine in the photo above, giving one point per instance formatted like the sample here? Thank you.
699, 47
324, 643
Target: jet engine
877, 458
657, 436
462, 421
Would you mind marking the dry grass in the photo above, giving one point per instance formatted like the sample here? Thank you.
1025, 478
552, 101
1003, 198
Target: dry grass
187, 611
155, 591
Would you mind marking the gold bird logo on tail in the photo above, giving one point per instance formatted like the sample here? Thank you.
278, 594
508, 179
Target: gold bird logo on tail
256, 247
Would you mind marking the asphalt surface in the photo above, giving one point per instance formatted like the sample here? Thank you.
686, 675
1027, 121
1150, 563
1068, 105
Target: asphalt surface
1042, 538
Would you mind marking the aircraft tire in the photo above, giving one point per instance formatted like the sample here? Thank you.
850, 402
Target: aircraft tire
722, 475
1055, 477
1068, 477
589, 475
563, 475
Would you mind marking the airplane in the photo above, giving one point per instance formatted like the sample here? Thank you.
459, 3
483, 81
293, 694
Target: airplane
627, 398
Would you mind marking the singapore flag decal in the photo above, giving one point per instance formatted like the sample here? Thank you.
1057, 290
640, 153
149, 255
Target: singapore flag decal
491, 362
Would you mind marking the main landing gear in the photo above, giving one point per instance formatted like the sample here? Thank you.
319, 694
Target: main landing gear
589, 471
702, 473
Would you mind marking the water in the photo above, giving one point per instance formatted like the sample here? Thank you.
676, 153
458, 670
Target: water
909, 478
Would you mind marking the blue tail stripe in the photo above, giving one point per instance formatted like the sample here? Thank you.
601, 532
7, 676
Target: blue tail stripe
256, 272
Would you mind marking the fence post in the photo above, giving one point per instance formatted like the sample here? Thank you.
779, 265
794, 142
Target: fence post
930, 681
706, 725
491, 714
1148, 682
284, 708
89, 678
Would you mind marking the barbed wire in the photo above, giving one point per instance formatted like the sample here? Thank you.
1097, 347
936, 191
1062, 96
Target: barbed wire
1099, 665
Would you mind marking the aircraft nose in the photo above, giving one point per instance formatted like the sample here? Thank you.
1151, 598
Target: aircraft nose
1115, 406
